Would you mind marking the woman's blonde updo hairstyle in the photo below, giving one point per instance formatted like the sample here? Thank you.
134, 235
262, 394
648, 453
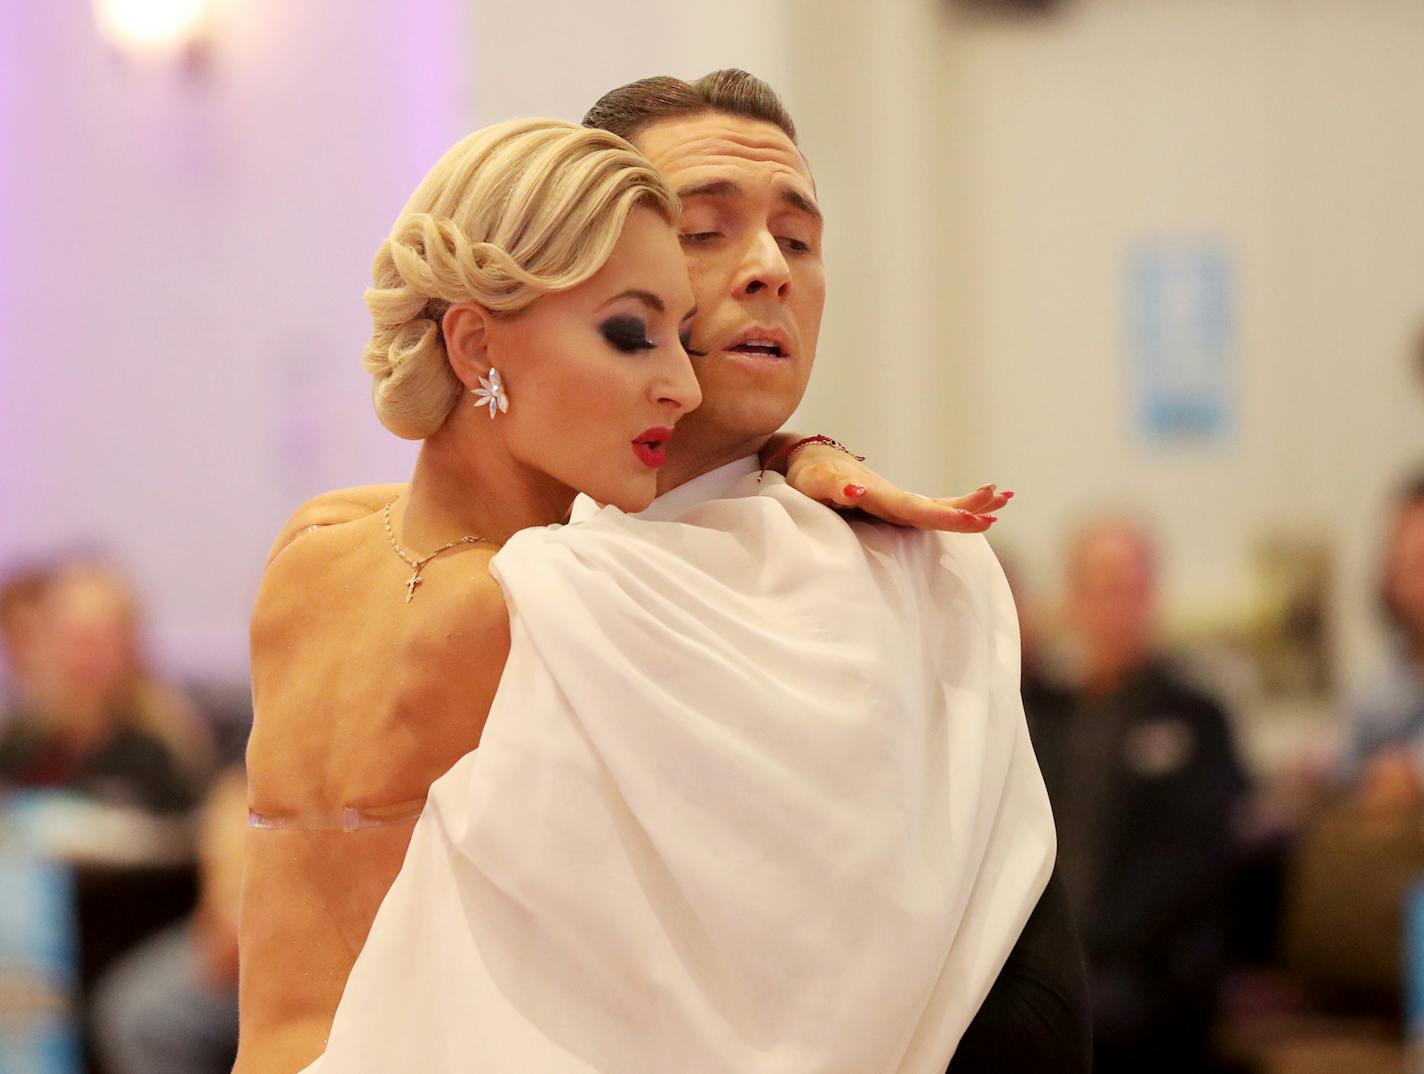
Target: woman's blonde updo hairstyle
510, 213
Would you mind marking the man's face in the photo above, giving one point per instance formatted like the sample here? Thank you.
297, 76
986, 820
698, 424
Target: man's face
751, 231
1112, 594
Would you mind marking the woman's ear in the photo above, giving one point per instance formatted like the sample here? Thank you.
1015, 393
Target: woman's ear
465, 327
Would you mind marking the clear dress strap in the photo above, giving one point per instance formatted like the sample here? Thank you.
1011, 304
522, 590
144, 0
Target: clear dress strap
345, 819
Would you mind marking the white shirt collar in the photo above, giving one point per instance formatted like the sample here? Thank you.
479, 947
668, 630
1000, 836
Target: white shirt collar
713, 485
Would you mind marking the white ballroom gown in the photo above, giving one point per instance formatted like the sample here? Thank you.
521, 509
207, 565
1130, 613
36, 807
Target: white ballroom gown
755, 796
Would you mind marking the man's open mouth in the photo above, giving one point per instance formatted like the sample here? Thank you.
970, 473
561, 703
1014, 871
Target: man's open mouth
767, 348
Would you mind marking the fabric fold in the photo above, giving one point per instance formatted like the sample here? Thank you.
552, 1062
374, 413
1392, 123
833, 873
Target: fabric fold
755, 795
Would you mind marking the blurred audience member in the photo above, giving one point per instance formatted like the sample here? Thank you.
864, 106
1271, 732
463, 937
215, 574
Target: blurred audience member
88, 717
1384, 754
170, 1005
21, 613
1364, 851
1145, 782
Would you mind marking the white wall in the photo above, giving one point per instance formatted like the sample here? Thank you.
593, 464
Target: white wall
1289, 131
556, 57
185, 257
181, 291
872, 105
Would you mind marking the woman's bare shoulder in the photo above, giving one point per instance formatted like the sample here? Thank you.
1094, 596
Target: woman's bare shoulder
301, 574
344, 577
331, 509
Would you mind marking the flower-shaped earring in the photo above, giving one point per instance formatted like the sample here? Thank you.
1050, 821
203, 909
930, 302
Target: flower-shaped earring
491, 392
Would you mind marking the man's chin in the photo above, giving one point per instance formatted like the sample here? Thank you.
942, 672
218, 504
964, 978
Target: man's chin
742, 400
737, 422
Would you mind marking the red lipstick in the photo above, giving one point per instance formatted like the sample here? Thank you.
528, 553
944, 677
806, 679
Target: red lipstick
651, 446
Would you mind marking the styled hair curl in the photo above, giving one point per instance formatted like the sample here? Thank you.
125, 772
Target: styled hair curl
511, 212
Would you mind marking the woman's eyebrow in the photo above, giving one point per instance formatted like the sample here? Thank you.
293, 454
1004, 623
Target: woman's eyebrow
647, 298
688, 315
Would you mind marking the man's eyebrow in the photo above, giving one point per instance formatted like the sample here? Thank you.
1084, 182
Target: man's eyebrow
727, 188
797, 200
647, 298
717, 188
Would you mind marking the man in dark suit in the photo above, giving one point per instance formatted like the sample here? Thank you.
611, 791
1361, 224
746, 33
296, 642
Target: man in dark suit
1145, 783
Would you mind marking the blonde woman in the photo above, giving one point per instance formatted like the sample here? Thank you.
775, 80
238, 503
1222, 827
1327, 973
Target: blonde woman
527, 309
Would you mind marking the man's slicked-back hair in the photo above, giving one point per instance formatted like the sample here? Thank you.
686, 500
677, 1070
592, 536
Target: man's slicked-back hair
629, 110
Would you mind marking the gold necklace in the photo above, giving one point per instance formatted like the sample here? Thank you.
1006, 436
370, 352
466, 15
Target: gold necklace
415, 565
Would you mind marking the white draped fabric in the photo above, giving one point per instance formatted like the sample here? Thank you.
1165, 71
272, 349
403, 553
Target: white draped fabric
755, 795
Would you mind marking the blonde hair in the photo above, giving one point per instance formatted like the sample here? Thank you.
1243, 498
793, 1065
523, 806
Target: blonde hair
510, 213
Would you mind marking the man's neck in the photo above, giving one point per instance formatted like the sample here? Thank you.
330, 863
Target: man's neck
700, 452
1106, 674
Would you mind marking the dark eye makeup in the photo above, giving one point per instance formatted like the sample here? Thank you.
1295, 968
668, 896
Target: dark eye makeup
630, 335
627, 334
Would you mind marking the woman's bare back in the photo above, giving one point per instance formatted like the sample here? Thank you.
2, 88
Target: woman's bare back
362, 701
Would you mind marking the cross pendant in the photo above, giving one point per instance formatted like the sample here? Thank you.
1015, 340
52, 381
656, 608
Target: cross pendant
410, 584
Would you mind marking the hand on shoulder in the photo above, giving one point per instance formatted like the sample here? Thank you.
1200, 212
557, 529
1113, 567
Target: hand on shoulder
827, 472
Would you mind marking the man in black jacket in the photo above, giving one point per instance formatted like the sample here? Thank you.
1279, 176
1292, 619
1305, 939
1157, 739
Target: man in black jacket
1145, 783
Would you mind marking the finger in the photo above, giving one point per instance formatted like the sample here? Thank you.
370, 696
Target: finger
975, 501
841, 487
855, 487
927, 514
959, 522
892, 504
984, 498
980, 502
907, 509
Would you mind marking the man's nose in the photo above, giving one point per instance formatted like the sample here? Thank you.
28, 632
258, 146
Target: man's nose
763, 268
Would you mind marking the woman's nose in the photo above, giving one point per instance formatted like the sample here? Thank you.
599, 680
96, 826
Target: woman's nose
681, 389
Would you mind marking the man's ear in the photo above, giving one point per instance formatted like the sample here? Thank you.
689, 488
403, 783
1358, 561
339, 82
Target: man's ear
465, 327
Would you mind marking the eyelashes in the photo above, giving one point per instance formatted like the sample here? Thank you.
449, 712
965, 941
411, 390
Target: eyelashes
786, 242
626, 334
686, 340
630, 335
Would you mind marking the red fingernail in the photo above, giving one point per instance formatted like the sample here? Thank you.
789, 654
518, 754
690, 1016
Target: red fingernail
1007, 495
855, 490
988, 518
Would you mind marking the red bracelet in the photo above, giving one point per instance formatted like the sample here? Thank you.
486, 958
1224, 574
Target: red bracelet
791, 449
